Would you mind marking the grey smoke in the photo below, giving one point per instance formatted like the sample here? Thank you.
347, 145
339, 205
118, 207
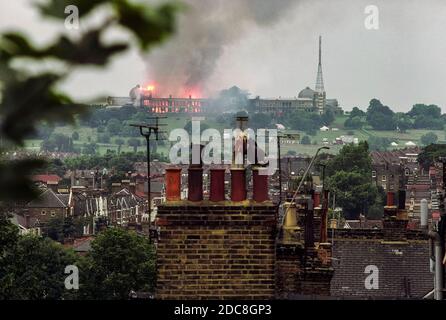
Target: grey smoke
204, 30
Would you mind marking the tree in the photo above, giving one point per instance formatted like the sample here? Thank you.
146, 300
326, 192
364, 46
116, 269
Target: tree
428, 122
328, 117
380, 117
114, 127
121, 261
350, 180
430, 154
29, 98
60, 228
33, 269
420, 109
75, 136
119, 142
429, 138
351, 158
353, 123
356, 112
89, 148
103, 138
135, 143
403, 122
305, 140
378, 143
58, 142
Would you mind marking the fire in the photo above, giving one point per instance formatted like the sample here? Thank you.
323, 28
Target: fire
194, 93
150, 87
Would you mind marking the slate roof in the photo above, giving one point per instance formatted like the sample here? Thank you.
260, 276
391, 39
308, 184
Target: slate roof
403, 266
49, 199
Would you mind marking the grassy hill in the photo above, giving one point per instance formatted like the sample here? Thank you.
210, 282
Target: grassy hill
88, 135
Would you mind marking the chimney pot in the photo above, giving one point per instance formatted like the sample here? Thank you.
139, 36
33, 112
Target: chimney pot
195, 184
317, 199
173, 184
401, 199
260, 186
238, 184
390, 199
217, 192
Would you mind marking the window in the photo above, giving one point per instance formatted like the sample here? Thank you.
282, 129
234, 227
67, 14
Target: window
407, 172
373, 174
53, 213
43, 212
384, 178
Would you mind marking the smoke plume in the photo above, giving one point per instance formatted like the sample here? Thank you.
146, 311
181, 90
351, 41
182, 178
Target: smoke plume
183, 65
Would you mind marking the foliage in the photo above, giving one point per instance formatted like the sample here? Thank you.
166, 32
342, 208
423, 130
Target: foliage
58, 142
429, 138
135, 143
89, 148
350, 180
378, 143
75, 136
28, 99
33, 268
428, 122
430, 154
114, 127
120, 261
379, 116
304, 121
356, 112
403, 122
353, 123
59, 228
425, 110
328, 117
305, 140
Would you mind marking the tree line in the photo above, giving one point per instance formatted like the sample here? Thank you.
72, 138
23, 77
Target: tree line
33, 267
382, 117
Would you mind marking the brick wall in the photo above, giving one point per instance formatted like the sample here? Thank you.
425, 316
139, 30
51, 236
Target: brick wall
216, 251
302, 273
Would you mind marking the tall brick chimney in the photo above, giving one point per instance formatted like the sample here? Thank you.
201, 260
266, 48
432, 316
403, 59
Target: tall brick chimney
395, 219
212, 250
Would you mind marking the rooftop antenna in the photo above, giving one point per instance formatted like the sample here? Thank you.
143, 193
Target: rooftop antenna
146, 130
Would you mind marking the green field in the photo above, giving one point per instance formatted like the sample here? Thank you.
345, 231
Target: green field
88, 135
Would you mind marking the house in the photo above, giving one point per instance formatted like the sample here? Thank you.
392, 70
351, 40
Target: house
47, 205
48, 180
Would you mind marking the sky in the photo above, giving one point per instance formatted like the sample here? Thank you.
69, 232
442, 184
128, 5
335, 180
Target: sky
401, 63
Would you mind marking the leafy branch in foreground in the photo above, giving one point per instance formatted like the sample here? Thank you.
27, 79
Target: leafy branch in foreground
28, 100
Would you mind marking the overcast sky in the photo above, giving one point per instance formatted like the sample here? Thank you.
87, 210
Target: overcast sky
402, 63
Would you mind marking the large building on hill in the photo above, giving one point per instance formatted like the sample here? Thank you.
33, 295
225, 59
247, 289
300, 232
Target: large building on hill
308, 100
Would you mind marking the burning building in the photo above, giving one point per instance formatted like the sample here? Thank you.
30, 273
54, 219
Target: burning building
145, 98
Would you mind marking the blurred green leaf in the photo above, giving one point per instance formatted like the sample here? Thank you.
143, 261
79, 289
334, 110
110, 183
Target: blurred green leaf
56, 8
26, 103
88, 50
15, 182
